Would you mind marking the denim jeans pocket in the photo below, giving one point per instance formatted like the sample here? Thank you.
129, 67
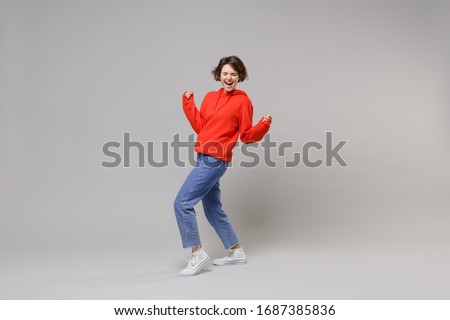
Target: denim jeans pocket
211, 162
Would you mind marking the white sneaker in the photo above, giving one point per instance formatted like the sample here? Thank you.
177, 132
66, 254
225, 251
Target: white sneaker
236, 256
196, 262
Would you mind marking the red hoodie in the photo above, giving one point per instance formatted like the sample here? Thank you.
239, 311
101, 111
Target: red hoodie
222, 118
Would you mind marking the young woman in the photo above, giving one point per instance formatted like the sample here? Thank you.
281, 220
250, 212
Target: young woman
224, 115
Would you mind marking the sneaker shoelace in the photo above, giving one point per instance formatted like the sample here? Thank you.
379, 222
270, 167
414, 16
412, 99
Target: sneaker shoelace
192, 259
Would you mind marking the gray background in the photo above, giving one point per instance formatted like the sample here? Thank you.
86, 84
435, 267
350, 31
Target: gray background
76, 74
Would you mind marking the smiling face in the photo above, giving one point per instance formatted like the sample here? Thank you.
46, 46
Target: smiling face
229, 78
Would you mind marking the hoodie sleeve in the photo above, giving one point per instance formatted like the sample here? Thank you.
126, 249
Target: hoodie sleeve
192, 113
249, 133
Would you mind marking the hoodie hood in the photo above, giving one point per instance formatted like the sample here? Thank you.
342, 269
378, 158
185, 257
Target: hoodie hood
224, 97
235, 92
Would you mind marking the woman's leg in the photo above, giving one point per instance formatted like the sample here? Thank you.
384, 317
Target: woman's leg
218, 218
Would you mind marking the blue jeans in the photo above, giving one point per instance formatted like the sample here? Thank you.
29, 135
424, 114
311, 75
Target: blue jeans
202, 184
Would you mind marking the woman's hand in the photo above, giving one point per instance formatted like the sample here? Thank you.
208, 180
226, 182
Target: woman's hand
188, 94
267, 117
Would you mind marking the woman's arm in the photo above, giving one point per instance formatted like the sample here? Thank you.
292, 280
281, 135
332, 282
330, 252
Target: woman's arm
249, 133
191, 111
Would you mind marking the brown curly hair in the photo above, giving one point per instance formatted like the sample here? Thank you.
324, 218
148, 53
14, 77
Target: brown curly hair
237, 65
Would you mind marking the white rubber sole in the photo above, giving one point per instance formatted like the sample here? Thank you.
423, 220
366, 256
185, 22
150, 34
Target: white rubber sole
222, 263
